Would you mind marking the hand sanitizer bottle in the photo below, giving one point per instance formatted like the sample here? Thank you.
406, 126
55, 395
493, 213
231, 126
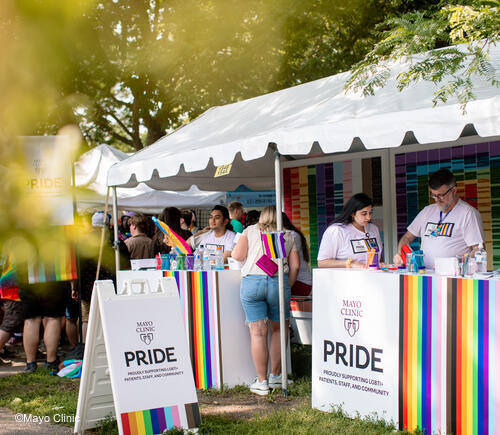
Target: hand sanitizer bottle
481, 257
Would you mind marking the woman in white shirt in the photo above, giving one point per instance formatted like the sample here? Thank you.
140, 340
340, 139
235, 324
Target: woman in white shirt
259, 296
346, 241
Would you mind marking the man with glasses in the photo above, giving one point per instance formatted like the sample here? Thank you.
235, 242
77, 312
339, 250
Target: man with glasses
447, 228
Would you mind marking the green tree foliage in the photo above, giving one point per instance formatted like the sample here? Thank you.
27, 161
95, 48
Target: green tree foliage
325, 37
459, 36
130, 71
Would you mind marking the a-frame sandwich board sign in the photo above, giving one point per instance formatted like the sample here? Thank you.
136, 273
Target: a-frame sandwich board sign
136, 363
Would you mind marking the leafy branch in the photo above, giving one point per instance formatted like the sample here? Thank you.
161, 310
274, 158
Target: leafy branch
428, 43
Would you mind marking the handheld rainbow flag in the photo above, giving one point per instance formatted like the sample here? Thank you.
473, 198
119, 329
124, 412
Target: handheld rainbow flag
180, 244
274, 244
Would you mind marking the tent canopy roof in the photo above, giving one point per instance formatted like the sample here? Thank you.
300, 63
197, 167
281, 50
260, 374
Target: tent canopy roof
296, 118
91, 171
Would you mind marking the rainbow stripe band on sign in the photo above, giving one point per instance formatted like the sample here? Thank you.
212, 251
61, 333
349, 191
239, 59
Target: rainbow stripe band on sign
198, 294
158, 420
447, 380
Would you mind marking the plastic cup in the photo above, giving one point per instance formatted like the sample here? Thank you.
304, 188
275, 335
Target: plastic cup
165, 261
190, 262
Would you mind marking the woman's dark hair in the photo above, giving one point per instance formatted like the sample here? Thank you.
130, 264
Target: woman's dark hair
287, 225
187, 215
357, 202
225, 215
172, 217
252, 217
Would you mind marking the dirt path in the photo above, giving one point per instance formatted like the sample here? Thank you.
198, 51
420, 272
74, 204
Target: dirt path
24, 424
245, 406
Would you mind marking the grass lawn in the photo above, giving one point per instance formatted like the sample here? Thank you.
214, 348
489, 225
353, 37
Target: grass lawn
42, 394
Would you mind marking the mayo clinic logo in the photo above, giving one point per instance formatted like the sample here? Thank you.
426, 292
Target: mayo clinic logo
351, 326
145, 330
352, 312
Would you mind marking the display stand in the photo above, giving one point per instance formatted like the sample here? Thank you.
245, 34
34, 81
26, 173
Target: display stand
136, 363
419, 350
218, 338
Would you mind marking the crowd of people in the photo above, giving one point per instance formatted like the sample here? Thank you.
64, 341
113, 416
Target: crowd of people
447, 228
45, 314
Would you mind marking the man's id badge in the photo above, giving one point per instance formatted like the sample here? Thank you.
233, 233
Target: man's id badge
433, 229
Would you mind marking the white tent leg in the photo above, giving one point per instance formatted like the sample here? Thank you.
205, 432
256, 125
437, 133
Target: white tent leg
115, 229
281, 276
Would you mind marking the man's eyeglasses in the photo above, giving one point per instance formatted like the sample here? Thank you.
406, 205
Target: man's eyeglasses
442, 195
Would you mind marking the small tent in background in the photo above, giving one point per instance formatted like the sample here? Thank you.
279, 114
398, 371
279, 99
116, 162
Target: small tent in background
91, 172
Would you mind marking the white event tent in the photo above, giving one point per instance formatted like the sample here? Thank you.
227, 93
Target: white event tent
289, 122
91, 171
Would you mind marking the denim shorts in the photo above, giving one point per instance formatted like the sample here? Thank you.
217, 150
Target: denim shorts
259, 296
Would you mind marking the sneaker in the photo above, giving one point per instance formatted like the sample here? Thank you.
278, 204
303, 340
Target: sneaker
5, 362
52, 367
275, 381
260, 388
30, 367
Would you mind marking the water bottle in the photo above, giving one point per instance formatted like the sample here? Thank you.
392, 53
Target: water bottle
206, 259
481, 258
197, 264
173, 262
219, 258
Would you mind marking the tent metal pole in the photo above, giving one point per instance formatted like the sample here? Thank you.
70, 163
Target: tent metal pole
281, 277
115, 229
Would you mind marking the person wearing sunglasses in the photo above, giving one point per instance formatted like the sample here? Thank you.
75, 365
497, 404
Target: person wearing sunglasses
447, 228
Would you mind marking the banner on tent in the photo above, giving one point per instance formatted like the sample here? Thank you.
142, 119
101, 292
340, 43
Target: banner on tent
252, 198
149, 366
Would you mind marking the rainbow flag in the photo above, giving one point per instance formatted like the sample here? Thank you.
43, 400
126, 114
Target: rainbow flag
180, 244
8, 280
274, 244
62, 267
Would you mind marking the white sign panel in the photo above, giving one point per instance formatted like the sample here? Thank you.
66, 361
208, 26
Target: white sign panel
355, 342
149, 365
48, 178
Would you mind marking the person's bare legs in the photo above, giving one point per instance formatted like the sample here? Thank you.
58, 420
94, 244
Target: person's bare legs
258, 347
51, 337
84, 331
4, 338
275, 347
31, 337
72, 332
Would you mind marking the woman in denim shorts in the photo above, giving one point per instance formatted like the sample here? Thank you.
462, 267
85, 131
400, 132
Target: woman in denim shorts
259, 294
